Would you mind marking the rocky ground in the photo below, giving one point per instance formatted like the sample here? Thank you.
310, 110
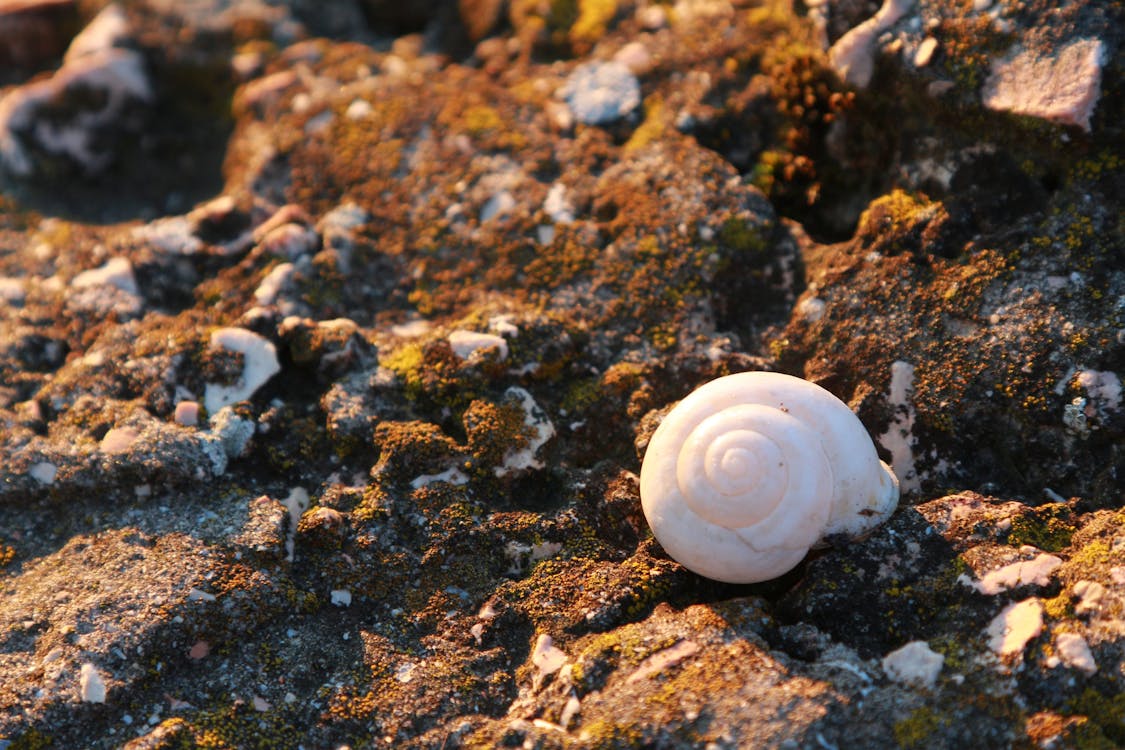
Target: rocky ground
332, 336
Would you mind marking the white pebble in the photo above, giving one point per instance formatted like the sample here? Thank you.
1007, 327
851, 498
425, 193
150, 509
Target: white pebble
502, 325
116, 272
271, 286
106, 30
811, 309
289, 241
853, 55
358, 109
452, 476
1103, 388
652, 17
195, 595
914, 664
498, 206
557, 205
12, 290
601, 92
925, 52
470, 345
91, 684
43, 472
634, 56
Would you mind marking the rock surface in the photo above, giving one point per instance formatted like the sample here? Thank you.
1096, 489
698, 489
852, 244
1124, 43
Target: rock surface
328, 357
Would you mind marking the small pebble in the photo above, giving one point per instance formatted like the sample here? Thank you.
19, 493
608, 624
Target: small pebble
546, 656
91, 685
119, 440
468, 345
187, 413
925, 52
43, 472
1075, 652
601, 92
1015, 626
914, 664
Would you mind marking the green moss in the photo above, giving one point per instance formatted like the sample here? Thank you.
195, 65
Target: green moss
562, 14
768, 170
1088, 736
663, 337
1044, 527
32, 739
959, 655
743, 237
1105, 720
914, 730
580, 395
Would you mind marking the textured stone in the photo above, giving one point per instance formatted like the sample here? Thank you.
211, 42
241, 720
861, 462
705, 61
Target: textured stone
1061, 86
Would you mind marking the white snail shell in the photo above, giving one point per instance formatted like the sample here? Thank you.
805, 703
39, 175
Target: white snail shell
750, 471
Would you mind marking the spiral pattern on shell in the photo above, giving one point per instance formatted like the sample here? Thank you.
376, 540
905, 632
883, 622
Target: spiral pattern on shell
751, 470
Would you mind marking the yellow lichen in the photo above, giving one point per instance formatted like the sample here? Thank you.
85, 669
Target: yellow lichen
594, 16
914, 730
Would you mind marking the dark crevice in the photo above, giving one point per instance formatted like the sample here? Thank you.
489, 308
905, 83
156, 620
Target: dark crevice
170, 160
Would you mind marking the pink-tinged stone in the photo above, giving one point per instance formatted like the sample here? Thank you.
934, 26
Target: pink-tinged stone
547, 657
187, 413
664, 659
1035, 572
1063, 87
1015, 626
260, 93
1075, 652
119, 440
